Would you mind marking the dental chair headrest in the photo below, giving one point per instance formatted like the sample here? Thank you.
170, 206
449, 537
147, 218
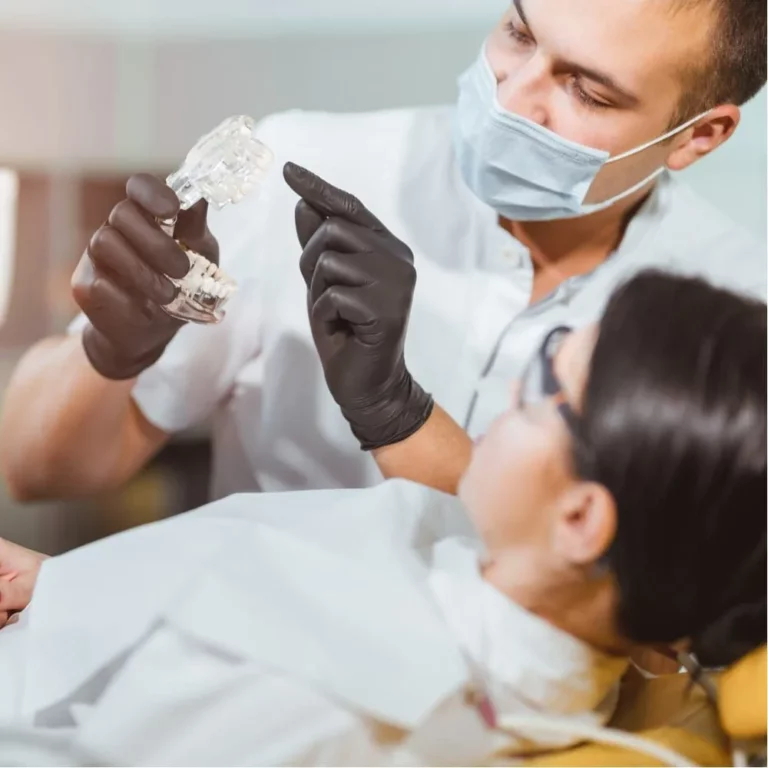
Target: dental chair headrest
742, 697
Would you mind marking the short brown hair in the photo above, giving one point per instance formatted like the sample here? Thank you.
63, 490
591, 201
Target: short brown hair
735, 69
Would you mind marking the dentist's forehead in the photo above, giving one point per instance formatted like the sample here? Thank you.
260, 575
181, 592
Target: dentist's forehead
637, 40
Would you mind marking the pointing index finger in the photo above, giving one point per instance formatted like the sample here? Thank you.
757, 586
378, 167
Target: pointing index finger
327, 199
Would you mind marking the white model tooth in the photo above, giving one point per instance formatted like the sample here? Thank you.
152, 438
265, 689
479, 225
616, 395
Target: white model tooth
194, 281
206, 282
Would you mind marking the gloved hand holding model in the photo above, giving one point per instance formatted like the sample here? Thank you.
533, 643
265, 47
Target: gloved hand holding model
121, 284
360, 280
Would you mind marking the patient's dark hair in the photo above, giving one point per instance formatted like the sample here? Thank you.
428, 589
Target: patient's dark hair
674, 426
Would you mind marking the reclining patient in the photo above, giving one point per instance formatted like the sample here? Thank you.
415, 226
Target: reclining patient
620, 500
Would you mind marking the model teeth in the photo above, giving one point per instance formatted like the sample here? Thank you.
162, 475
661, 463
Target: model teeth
223, 167
206, 283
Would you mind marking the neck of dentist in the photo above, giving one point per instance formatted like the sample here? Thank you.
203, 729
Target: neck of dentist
581, 602
564, 248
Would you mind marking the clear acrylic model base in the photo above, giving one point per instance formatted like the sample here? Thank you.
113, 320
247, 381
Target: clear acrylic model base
223, 167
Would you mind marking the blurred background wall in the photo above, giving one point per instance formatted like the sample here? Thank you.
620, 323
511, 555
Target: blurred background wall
93, 90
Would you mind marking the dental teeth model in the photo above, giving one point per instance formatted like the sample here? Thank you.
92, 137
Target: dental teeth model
223, 167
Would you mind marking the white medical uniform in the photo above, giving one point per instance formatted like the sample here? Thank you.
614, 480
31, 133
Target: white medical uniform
275, 425
242, 635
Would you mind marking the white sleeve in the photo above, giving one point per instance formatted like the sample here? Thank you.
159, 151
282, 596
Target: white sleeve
77, 325
26, 745
179, 702
736, 261
745, 262
199, 366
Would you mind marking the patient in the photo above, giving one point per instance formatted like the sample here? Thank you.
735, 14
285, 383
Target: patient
620, 500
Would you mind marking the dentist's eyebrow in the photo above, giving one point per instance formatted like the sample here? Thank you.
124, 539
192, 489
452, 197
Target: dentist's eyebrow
624, 95
520, 12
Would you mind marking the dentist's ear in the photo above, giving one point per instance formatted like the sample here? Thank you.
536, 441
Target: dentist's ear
586, 523
705, 136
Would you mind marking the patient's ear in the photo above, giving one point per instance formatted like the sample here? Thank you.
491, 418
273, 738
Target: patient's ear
586, 523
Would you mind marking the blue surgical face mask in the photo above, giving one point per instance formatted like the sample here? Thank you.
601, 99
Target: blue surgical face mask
522, 170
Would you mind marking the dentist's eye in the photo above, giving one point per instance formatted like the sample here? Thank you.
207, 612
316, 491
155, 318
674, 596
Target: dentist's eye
517, 34
585, 98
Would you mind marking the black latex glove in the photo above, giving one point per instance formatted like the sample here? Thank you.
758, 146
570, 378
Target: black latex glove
360, 280
120, 281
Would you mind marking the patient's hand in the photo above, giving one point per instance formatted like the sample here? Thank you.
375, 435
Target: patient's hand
19, 568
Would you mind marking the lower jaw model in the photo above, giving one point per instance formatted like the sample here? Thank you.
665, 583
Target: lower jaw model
203, 292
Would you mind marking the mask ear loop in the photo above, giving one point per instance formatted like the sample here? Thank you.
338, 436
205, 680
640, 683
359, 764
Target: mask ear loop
587, 208
659, 140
